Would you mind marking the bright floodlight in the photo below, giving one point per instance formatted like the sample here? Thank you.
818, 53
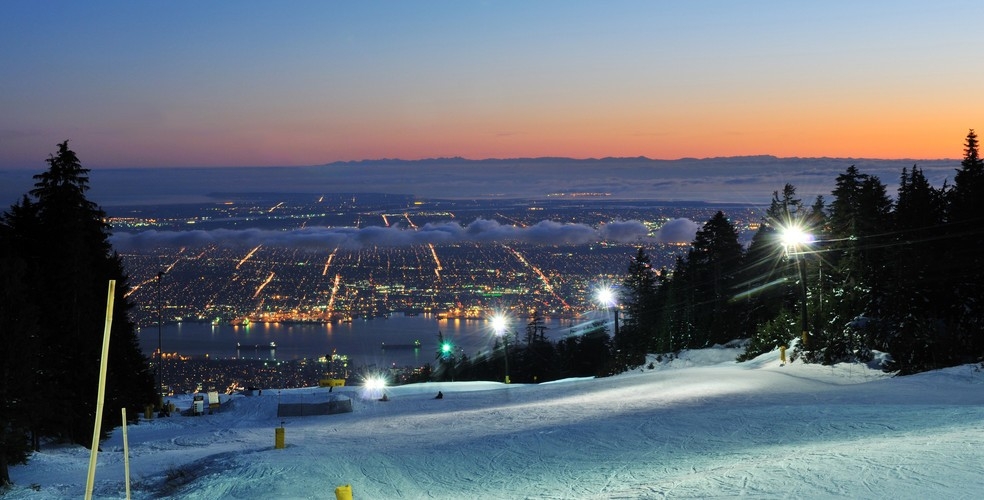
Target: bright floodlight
446, 348
794, 236
499, 323
374, 386
605, 296
375, 383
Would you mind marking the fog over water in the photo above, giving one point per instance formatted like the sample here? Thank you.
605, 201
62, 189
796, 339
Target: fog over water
745, 180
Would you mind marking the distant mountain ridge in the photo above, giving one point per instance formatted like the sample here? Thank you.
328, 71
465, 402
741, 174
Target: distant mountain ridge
446, 160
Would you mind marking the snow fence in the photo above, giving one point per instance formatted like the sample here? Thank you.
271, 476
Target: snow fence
303, 405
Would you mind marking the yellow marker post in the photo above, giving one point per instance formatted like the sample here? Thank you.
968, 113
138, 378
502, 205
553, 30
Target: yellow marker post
126, 456
101, 394
782, 355
343, 492
279, 438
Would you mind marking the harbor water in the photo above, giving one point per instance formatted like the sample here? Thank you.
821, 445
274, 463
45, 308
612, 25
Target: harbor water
379, 341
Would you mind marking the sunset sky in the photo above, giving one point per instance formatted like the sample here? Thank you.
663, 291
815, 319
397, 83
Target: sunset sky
223, 83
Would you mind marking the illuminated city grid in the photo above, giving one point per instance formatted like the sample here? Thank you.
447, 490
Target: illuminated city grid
267, 283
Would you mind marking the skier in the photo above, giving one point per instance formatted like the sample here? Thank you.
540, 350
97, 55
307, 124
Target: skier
440, 395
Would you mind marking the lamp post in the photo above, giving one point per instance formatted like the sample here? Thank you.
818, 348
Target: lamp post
606, 298
160, 337
499, 326
795, 237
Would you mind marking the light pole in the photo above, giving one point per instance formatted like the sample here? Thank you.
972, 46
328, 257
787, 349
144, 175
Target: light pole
795, 237
160, 343
606, 298
499, 324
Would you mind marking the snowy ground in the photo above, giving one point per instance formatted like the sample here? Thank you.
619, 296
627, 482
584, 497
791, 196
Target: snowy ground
701, 426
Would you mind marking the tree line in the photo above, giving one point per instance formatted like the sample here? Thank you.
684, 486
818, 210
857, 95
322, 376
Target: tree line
530, 358
900, 276
903, 277
55, 266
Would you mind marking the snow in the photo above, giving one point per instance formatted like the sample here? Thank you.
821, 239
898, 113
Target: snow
697, 426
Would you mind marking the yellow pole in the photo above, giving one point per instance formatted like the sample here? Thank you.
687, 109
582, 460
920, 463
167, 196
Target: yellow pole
126, 456
101, 396
343, 492
278, 438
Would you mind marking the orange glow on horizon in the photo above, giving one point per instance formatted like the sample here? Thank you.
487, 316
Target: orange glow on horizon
669, 135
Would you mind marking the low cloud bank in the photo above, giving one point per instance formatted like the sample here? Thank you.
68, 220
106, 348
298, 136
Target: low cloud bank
678, 231
479, 231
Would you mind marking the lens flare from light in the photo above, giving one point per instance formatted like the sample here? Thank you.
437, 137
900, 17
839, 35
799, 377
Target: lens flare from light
373, 386
605, 296
499, 323
375, 383
794, 236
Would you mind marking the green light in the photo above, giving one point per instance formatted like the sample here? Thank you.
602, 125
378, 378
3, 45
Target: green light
446, 347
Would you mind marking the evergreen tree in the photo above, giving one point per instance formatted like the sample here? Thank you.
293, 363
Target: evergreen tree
787, 212
713, 264
916, 302
638, 332
536, 330
966, 213
65, 239
875, 216
785, 208
763, 289
770, 287
537, 359
18, 368
859, 217
851, 293
586, 355
678, 306
819, 270
662, 331
968, 187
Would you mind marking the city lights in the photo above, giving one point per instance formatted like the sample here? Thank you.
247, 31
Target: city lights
290, 279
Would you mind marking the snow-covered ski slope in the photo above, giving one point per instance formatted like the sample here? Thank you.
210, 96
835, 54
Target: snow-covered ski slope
701, 426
